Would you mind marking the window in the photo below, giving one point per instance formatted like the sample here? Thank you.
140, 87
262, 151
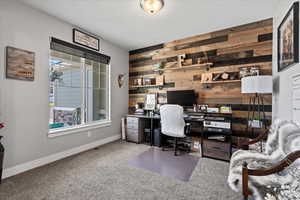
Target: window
79, 93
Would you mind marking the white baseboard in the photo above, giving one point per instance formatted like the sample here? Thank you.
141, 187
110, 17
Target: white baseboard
54, 157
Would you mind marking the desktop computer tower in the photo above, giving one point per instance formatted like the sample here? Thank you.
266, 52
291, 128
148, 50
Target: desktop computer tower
157, 137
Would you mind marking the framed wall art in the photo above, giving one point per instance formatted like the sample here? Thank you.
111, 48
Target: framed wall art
288, 39
19, 64
86, 40
150, 102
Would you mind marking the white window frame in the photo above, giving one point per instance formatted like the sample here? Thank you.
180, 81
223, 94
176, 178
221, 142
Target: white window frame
52, 133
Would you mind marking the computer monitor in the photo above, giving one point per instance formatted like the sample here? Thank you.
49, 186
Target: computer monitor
185, 98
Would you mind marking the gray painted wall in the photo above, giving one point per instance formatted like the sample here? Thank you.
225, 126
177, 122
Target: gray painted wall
24, 105
282, 102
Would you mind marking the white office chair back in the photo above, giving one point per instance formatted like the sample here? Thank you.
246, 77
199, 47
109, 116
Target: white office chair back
172, 120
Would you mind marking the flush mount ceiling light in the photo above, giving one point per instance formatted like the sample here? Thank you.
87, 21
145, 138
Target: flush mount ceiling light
152, 6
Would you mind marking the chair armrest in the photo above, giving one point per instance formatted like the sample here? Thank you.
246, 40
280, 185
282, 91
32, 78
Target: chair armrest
255, 140
287, 161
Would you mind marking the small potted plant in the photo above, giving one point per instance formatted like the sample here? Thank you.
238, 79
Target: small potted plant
1, 126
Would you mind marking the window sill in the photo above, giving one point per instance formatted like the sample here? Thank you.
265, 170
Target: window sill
77, 129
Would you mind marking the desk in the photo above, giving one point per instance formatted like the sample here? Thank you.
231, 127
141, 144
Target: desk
209, 147
189, 117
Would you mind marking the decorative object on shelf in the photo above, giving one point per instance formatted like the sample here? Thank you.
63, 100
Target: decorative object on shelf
19, 64
197, 77
180, 59
234, 76
171, 68
139, 108
206, 77
86, 40
203, 59
216, 76
195, 107
225, 109
202, 108
257, 85
148, 81
254, 71
140, 81
152, 6
157, 66
288, 39
150, 102
160, 80
224, 77
212, 110
249, 71
121, 80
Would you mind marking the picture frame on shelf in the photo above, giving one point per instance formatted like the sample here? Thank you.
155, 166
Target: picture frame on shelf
150, 101
288, 39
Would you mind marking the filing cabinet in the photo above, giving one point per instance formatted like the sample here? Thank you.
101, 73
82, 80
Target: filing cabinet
135, 130
216, 149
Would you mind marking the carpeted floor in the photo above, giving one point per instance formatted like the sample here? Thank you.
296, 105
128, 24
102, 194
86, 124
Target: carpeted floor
104, 174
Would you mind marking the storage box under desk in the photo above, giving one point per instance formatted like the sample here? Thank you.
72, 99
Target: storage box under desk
216, 149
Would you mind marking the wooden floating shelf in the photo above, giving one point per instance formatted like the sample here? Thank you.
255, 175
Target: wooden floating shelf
146, 86
229, 81
184, 67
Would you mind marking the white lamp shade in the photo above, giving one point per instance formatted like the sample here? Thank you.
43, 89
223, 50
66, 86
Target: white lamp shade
257, 84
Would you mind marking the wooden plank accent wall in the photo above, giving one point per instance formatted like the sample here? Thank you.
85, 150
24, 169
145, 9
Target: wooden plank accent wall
228, 50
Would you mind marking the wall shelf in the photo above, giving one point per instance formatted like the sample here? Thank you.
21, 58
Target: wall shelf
184, 67
146, 86
228, 81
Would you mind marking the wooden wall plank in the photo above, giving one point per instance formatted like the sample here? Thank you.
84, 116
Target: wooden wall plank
229, 50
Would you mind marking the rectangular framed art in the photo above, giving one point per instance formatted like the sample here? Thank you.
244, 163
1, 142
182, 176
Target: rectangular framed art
86, 40
288, 39
19, 64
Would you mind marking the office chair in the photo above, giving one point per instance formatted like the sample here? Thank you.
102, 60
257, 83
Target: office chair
173, 124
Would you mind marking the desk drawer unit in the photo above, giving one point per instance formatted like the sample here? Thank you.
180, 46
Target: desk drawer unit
216, 149
135, 127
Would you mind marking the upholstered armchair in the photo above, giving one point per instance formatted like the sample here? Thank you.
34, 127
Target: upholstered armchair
273, 174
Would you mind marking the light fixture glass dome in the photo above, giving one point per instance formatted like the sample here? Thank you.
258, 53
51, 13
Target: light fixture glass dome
152, 6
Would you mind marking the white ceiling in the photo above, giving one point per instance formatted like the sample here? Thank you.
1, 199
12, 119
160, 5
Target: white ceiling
123, 23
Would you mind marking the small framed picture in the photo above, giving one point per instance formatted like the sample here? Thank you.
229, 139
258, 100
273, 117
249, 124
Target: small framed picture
288, 39
150, 102
87, 40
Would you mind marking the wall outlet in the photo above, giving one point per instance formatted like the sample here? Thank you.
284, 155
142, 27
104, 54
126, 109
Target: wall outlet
89, 134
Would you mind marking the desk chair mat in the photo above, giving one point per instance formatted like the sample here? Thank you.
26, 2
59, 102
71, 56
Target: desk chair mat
166, 164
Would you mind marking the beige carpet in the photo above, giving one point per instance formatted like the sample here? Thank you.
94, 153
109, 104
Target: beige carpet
103, 174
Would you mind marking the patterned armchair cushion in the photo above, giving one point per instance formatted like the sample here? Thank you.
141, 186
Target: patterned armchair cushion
284, 138
258, 147
286, 191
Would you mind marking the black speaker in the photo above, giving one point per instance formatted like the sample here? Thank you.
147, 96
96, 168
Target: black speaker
157, 137
1, 158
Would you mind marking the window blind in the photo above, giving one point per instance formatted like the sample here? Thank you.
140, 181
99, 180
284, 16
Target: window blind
75, 50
